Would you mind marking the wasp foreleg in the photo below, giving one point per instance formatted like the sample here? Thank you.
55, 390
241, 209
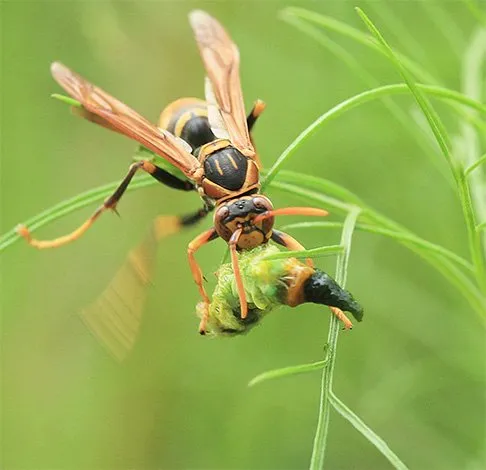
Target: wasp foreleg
197, 243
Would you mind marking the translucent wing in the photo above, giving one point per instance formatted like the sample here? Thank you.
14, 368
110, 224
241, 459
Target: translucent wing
214, 115
221, 60
114, 318
107, 111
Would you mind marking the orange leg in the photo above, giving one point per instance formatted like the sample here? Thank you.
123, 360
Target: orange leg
342, 317
289, 242
197, 243
236, 270
258, 108
255, 113
109, 203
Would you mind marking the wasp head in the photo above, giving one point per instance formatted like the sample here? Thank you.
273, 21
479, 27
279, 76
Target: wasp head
248, 214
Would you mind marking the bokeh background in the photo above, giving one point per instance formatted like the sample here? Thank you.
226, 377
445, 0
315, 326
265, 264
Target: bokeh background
414, 370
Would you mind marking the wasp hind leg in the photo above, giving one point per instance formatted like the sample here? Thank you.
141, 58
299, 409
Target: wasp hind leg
109, 204
255, 113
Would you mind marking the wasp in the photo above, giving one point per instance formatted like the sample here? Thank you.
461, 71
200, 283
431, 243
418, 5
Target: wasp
209, 141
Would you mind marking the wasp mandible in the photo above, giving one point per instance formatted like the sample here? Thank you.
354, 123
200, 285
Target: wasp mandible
209, 141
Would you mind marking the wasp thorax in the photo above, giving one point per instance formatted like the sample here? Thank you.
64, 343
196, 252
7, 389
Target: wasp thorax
240, 214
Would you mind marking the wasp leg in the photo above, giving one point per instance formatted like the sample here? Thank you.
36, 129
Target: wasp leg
197, 243
289, 242
348, 325
110, 203
233, 242
255, 113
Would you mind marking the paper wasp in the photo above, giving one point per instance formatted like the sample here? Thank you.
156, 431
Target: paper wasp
209, 141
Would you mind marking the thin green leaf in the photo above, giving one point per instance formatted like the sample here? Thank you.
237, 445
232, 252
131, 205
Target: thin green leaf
475, 165
435, 123
70, 205
287, 372
67, 99
450, 271
357, 100
443, 140
353, 33
366, 431
321, 436
481, 226
399, 236
311, 253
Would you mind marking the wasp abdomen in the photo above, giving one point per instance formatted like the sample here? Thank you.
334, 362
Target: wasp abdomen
187, 118
227, 168
320, 288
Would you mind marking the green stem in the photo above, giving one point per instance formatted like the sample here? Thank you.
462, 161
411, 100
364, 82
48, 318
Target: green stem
322, 431
399, 236
442, 138
369, 95
312, 253
475, 165
474, 236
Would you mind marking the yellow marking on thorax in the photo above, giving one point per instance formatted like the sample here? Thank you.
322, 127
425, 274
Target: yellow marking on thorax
218, 167
231, 159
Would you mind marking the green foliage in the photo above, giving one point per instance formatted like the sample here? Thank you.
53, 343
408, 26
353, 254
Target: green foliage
464, 273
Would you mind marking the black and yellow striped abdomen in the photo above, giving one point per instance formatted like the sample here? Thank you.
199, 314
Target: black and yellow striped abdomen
187, 118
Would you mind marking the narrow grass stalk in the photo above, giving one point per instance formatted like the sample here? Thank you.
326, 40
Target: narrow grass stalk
443, 140
361, 426
475, 165
70, 205
427, 146
399, 236
322, 431
449, 270
361, 98
353, 33
287, 372
312, 253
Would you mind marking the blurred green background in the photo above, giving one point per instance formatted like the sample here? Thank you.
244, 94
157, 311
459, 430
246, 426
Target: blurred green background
414, 370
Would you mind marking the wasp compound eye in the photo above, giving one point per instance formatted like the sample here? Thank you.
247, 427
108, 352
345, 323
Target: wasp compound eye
222, 213
262, 203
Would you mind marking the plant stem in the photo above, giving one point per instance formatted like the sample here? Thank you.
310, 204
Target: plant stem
320, 439
361, 426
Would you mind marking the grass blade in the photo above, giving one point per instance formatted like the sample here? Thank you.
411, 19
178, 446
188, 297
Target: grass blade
366, 431
287, 372
443, 140
320, 439
311, 253
398, 236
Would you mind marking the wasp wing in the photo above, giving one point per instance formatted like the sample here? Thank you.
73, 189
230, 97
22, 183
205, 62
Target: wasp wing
114, 318
221, 60
117, 116
215, 119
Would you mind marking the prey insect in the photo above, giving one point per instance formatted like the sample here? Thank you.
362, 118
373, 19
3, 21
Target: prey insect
209, 142
269, 284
